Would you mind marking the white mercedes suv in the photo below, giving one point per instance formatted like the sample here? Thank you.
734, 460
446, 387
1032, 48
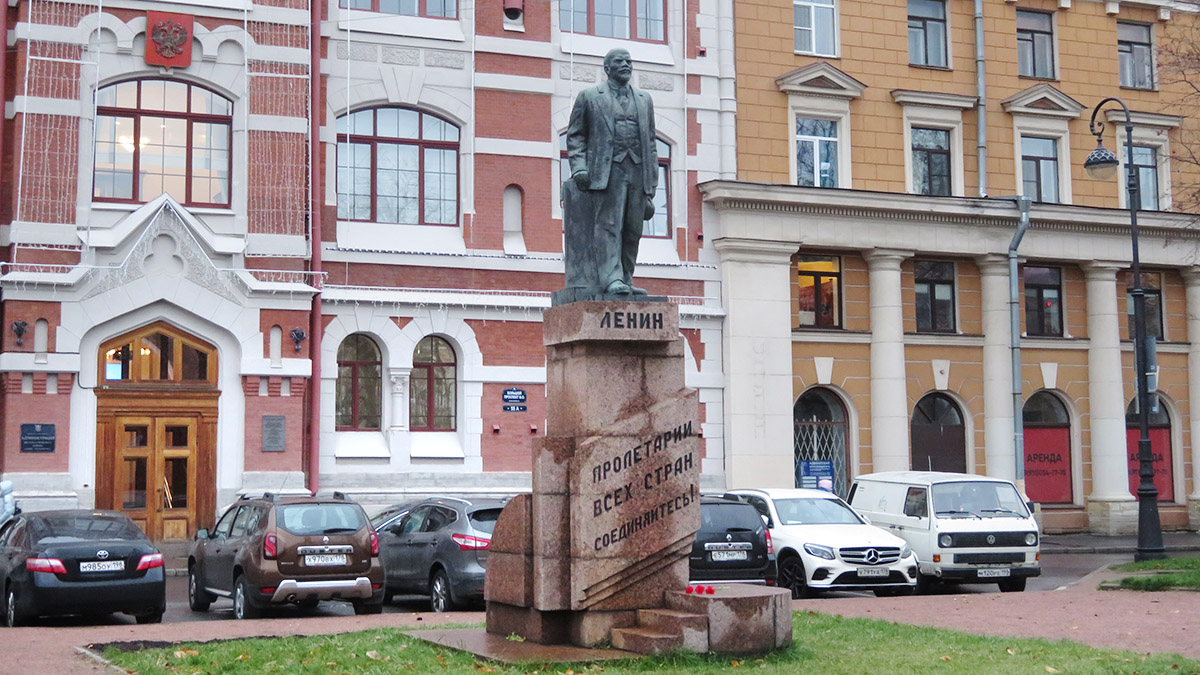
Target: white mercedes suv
824, 545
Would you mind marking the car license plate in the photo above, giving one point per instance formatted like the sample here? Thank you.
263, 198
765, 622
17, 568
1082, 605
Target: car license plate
325, 560
873, 571
995, 573
718, 556
102, 566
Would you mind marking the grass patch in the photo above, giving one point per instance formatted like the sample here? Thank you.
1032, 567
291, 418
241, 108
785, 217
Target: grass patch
1166, 564
1163, 582
827, 644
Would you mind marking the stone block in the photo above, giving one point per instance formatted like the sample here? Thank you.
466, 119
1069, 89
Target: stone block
645, 641
509, 579
594, 628
611, 321
551, 583
629, 584
547, 628
742, 619
551, 457
693, 627
512, 533
552, 526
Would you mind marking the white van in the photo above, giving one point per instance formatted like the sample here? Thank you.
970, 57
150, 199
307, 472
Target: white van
964, 528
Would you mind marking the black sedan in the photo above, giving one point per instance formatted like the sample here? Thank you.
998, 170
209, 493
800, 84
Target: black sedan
55, 563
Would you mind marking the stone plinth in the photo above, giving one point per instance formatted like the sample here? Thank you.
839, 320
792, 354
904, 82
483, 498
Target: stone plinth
614, 508
742, 619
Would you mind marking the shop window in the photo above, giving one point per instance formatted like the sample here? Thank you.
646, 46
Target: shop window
1047, 434
1043, 301
819, 291
1160, 448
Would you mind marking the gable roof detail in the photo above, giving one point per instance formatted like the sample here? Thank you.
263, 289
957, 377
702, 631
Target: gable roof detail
1043, 99
820, 79
132, 225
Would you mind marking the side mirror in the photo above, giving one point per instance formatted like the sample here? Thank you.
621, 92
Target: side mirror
1029, 505
766, 520
396, 529
201, 534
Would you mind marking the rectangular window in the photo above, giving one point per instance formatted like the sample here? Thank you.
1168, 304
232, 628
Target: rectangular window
927, 32
1145, 162
437, 9
816, 152
1039, 168
1035, 44
624, 19
934, 284
931, 161
815, 23
819, 284
1134, 57
1043, 301
1152, 289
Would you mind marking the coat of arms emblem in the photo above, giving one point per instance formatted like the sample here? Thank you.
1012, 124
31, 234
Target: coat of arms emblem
169, 38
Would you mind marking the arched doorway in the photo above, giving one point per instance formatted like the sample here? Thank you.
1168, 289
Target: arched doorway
1160, 448
156, 424
939, 436
1047, 449
819, 421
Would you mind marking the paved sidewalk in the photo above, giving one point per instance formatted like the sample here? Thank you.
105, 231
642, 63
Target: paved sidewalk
1173, 542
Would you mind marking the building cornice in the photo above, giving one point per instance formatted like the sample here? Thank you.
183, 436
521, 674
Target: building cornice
933, 99
975, 212
1143, 119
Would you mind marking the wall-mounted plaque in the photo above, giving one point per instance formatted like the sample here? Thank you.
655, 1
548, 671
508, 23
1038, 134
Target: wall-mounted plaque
37, 438
274, 433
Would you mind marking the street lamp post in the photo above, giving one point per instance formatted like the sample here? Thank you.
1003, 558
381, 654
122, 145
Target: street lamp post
1103, 164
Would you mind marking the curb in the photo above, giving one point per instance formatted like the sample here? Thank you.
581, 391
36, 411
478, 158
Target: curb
1055, 549
86, 653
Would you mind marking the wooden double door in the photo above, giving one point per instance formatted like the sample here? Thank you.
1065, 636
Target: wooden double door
155, 461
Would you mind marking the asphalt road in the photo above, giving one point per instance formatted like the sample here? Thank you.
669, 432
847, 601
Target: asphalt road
1058, 571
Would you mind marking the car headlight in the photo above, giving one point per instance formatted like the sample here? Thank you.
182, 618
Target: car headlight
904, 551
819, 551
1030, 539
945, 541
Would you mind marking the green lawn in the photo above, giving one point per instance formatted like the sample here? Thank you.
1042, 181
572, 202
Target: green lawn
825, 644
1168, 573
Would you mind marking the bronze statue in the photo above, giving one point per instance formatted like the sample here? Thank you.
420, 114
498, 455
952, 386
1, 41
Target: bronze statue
614, 173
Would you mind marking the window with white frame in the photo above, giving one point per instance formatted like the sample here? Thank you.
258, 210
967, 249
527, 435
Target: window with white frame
1145, 163
927, 33
625, 19
1135, 58
440, 9
1035, 44
1039, 168
816, 152
815, 23
933, 141
1151, 157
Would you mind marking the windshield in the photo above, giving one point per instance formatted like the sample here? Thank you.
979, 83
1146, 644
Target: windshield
978, 499
723, 517
305, 519
484, 520
810, 511
74, 528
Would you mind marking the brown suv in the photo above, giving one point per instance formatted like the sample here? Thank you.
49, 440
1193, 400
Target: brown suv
278, 550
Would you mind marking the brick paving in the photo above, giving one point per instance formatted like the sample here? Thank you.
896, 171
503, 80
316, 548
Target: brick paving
1141, 622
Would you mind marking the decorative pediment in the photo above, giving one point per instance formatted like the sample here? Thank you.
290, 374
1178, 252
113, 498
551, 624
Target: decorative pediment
1043, 99
820, 79
933, 99
132, 227
1143, 119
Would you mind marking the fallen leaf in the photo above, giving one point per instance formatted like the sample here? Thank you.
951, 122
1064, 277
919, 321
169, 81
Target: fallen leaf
1012, 651
1051, 670
735, 664
242, 657
374, 655
946, 658
186, 652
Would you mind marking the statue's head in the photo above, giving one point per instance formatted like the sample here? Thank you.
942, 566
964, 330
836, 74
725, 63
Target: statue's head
618, 65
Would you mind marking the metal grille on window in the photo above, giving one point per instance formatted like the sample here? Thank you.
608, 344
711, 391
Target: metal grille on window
820, 440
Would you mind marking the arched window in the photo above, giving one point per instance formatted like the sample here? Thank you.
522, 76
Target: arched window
660, 224
359, 384
1047, 437
819, 421
939, 438
433, 395
397, 165
158, 354
155, 136
1160, 448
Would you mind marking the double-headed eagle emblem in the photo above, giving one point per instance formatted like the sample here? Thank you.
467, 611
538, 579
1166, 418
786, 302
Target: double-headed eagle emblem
169, 38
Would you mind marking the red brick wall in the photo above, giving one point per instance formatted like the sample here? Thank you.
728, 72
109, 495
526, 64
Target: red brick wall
292, 407
29, 312
510, 343
286, 320
36, 408
495, 118
494, 173
511, 449
486, 62
489, 20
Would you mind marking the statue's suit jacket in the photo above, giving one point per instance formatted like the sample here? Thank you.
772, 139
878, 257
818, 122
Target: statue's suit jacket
590, 136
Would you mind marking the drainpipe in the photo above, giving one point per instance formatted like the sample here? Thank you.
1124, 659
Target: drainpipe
315, 108
980, 102
3, 75
1014, 320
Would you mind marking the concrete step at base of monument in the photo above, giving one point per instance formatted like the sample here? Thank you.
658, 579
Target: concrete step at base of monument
645, 640
693, 627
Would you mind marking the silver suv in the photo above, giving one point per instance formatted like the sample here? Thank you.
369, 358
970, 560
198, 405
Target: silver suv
438, 547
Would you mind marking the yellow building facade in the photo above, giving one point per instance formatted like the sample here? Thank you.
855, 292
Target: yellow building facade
865, 248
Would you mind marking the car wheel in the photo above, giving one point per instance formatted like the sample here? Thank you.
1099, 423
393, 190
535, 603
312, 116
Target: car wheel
12, 615
1012, 585
893, 592
439, 592
243, 607
367, 607
198, 598
388, 596
309, 604
924, 584
791, 575
155, 617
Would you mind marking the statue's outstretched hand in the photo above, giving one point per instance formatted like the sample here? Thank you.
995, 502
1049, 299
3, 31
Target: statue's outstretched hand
581, 179
649, 209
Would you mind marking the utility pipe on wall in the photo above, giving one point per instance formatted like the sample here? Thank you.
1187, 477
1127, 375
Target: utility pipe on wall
1014, 319
315, 108
980, 102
